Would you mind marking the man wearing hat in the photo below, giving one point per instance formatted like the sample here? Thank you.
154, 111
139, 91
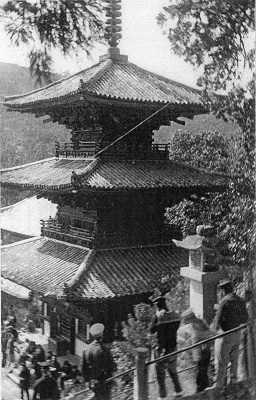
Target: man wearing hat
231, 313
45, 387
98, 364
165, 324
24, 376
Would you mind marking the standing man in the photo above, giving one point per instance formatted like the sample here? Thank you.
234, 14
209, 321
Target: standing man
231, 313
98, 364
45, 387
165, 323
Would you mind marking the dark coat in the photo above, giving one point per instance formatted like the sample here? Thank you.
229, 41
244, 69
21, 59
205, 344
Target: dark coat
166, 325
231, 312
98, 363
46, 388
24, 378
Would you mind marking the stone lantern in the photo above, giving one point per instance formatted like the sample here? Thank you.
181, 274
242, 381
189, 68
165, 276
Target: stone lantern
205, 251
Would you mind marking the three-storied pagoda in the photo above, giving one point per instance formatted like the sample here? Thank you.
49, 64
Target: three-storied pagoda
109, 246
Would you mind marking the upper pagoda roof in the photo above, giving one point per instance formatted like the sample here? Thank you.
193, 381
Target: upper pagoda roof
45, 265
98, 174
114, 78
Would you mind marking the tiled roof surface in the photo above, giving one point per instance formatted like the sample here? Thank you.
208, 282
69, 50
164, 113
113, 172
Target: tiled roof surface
50, 172
111, 175
111, 80
24, 217
44, 265
119, 272
149, 174
41, 264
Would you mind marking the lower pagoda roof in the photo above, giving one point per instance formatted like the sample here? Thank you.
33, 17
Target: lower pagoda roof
98, 174
45, 265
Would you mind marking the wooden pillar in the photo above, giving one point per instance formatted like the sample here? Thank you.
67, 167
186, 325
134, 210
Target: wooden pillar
141, 376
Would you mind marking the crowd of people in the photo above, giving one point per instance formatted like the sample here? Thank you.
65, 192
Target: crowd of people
39, 371
231, 312
49, 377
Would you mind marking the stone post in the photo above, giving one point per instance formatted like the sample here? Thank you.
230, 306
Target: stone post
141, 377
203, 271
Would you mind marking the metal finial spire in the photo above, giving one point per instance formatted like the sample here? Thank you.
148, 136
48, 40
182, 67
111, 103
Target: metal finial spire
113, 28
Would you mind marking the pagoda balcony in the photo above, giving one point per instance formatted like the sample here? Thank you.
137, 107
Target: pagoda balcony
76, 149
116, 152
53, 229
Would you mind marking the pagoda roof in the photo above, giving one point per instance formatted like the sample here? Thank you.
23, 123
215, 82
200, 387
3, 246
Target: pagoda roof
110, 80
44, 265
41, 264
98, 174
24, 217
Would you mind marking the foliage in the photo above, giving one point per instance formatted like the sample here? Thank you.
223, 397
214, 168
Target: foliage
136, 330
213, 35
123, 388
231, 213
216, 35
207, 150
49, 24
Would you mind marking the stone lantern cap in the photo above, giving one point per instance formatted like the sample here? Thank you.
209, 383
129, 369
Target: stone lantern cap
192, 242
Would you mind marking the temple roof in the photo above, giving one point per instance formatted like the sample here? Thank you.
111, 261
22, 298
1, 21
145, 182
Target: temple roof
97, 174
41, 264
110, 80
24, 217
44, 265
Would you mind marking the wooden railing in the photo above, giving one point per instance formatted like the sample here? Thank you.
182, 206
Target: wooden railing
89, 149
52, 228
76, 148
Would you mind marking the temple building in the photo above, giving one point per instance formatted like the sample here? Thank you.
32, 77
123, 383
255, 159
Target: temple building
108, 246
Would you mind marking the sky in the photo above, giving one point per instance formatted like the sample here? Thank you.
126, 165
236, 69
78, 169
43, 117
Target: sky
143, 42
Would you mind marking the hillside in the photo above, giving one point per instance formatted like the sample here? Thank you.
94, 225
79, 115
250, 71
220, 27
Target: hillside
24, 138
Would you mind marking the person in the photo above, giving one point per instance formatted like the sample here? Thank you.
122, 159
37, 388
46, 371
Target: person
231, 313
65, 373
45, 387
10, 348
75, 374
49, 355
98, 364
54, 366
37, 359
24, 376
4, 339
201, 354
165, 323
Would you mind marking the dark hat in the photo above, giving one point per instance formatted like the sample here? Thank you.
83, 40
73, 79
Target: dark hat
224, 282
97, 330
188, 314
158, 299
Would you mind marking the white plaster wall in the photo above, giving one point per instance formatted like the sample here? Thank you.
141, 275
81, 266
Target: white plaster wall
47, 329
80, 347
